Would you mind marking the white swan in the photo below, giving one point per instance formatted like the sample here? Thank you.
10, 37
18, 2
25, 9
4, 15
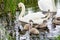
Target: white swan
58, 9
47, 4
34, 17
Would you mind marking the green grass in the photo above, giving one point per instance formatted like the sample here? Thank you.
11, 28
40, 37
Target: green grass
57, 38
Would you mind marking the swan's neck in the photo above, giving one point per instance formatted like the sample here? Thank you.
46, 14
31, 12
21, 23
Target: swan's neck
58, 4
22, 12
48, 16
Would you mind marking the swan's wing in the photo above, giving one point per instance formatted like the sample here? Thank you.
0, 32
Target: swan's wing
35, 17
40, 14
24, 20
35, 20
38, 21
47, 4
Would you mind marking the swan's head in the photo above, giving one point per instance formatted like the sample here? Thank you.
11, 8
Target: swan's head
20, 4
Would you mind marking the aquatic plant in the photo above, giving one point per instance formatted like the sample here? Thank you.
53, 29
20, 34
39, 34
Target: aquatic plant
4, 35
57, 38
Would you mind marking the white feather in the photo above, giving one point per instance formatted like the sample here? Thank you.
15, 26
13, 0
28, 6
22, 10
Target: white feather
47, 4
